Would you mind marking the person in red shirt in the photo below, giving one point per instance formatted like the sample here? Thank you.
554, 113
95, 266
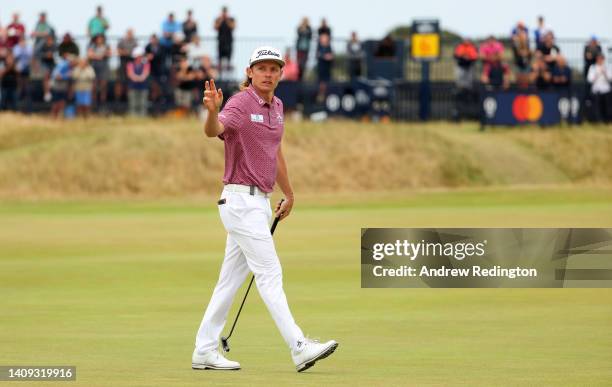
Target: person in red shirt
466, 56
15, 31
490, 48
251, 125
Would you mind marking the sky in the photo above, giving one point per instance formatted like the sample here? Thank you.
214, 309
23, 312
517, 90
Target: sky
275, 23
371, 19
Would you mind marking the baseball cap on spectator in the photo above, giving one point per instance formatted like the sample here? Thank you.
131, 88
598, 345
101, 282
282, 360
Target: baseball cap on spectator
138, 51
178, 37
266, 53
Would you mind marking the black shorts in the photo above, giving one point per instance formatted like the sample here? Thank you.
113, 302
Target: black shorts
59, 95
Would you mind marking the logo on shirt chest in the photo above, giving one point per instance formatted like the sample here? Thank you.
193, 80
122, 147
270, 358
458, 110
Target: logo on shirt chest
257, 118
279, 117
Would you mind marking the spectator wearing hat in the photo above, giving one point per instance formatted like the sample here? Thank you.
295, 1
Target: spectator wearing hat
138, 71
302, 46
98, 54
98, 25
83, 77
591, 50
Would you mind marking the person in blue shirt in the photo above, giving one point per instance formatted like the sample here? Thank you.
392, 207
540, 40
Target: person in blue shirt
60, 84
98, 25
561, 75
169, 27
23, 58
520, 26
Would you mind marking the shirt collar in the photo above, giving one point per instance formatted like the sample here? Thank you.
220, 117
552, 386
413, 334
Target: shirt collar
260, 100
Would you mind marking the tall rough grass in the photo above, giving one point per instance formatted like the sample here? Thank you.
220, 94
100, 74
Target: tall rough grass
41, 158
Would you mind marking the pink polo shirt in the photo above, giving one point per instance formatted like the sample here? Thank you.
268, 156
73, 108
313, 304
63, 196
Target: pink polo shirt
252, 136
489, 49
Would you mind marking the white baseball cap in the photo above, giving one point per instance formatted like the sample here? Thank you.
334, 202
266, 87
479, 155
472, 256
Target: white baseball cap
138, 51
266, 53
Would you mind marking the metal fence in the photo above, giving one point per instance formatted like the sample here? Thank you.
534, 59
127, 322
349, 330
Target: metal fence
440, 70
405, 104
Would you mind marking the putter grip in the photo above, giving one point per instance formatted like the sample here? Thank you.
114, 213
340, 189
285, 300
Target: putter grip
276, 220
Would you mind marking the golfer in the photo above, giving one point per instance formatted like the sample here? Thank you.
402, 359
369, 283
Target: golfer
251, 126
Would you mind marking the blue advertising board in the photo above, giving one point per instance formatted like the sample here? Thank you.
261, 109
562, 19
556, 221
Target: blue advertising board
517, 108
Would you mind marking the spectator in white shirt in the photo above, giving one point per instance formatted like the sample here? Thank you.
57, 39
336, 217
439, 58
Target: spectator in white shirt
599, 77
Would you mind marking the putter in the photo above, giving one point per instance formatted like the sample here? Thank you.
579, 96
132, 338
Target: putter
224, 339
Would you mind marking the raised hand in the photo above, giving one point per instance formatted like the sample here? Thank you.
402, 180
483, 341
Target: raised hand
213, 97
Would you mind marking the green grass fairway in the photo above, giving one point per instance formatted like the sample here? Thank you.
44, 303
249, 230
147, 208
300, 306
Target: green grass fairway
119, 288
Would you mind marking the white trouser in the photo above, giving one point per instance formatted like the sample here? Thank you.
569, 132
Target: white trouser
249, 247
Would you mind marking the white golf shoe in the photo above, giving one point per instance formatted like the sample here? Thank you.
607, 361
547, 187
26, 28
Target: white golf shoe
212, 360
308, 351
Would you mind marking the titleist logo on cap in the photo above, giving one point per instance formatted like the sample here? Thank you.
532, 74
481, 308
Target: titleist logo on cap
260, 53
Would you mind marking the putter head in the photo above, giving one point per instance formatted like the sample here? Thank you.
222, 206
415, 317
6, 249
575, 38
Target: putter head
224, 344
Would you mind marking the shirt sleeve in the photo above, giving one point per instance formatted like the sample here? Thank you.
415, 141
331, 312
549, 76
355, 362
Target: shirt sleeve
230, 117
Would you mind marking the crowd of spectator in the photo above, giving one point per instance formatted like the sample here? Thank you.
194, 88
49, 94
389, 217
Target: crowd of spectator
541, 67
173, 65
536, 64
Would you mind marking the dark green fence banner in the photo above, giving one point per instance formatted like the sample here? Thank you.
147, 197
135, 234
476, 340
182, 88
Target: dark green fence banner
486, 257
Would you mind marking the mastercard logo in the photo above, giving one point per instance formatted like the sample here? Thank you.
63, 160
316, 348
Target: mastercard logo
527, 108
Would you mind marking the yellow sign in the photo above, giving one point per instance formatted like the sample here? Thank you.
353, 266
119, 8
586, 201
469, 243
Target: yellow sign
425, 46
